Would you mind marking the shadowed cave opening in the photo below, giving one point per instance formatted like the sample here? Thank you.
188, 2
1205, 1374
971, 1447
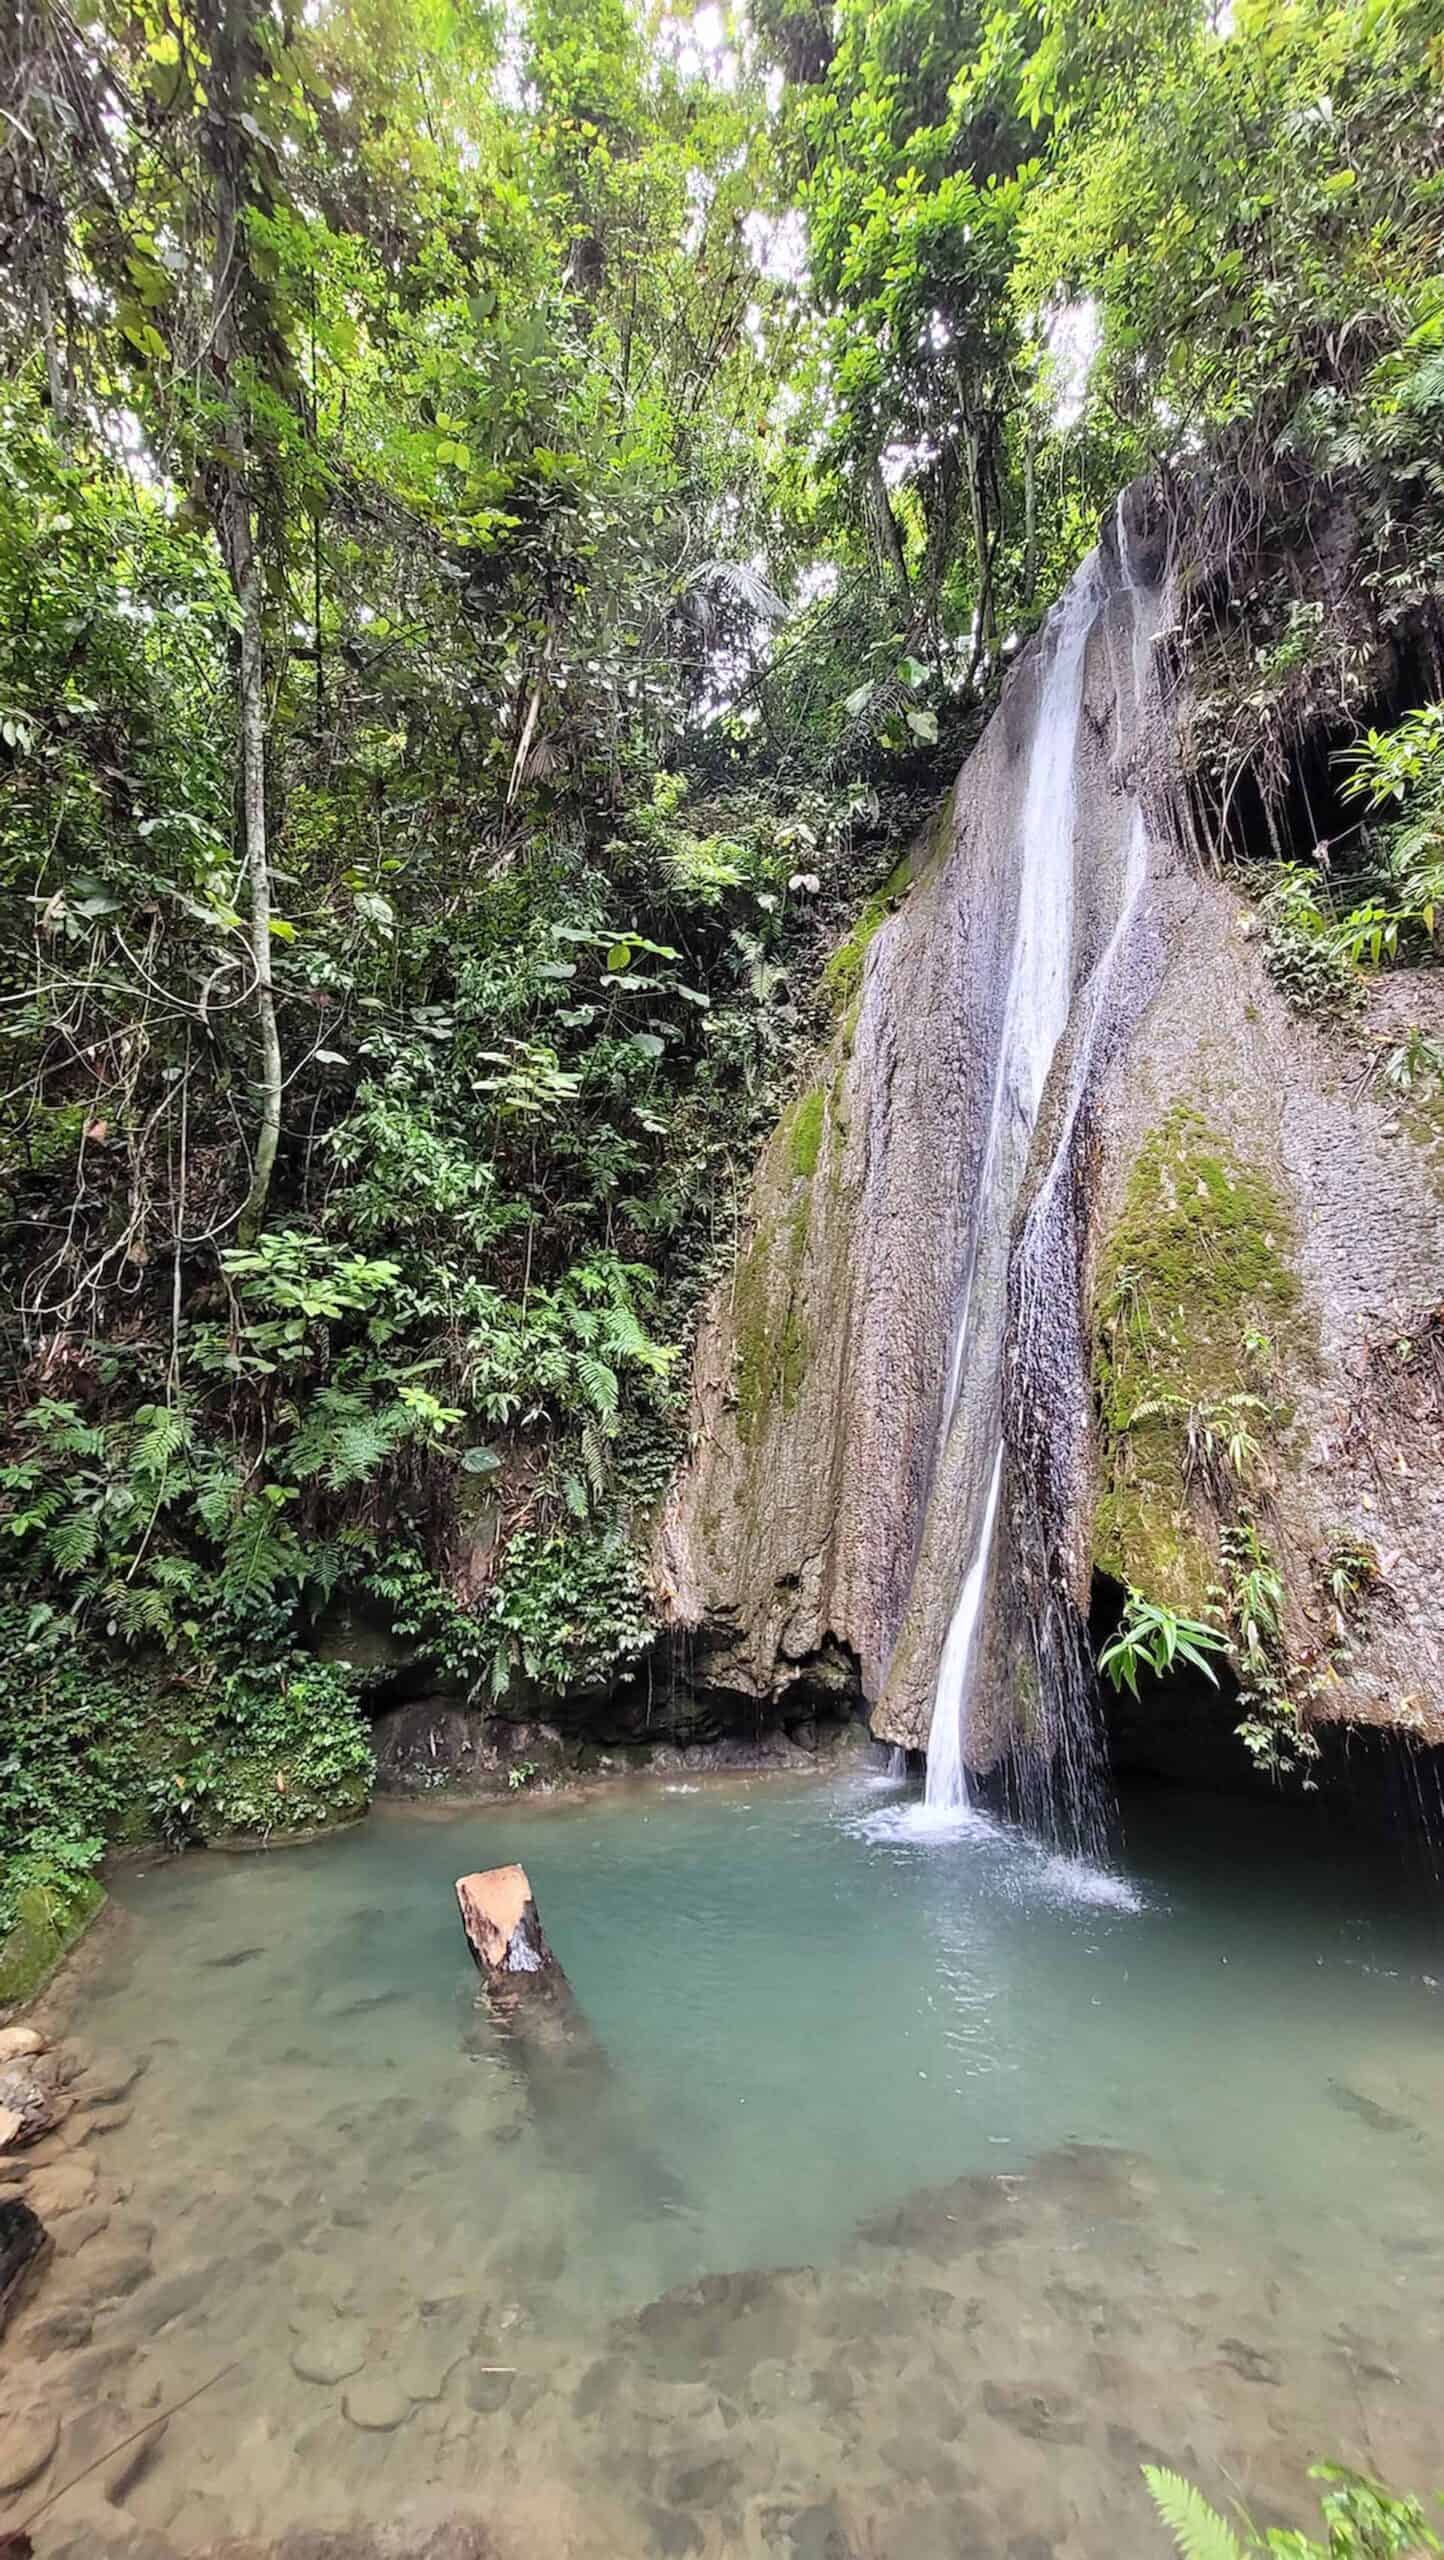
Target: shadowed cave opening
1288, 800
1181, 1732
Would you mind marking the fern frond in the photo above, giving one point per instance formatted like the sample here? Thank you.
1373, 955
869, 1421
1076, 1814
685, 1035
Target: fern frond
164, 1432
358, 1449
177, 1573
73, 1541
260, 1551
599, 1386
1200, 2532
216, 1496
623, 1332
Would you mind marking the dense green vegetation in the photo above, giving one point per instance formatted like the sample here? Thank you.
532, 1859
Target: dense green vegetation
506, 522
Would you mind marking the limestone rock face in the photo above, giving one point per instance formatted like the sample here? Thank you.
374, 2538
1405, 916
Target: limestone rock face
1221, 1076
501, 1923
817, 1513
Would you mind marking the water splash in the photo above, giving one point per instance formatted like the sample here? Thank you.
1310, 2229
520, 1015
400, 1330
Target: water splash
1021, 1869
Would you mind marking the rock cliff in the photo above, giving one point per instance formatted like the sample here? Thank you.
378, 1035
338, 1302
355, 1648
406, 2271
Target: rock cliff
1213, 1298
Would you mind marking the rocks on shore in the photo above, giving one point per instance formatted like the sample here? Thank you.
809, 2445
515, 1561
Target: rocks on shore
31, 2101
24, 2247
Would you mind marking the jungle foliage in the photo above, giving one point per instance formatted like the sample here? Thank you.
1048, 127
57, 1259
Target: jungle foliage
506, 520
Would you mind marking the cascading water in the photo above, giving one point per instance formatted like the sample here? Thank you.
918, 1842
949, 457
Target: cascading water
1037, 1012
1035, 1016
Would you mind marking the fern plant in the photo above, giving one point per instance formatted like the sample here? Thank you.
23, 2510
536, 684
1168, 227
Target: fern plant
1154, 1638
1364, 2521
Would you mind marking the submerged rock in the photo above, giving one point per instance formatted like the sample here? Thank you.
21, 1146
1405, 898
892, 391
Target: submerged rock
130, 2463
64, 2186
376, 2405
331, 2354
27, 2441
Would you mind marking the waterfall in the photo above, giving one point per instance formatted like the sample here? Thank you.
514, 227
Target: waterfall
1043, 1286
1035, 1016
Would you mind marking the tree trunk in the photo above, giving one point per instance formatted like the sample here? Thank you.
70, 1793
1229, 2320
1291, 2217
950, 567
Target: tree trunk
55, 378
982, 550
1030, 505
231, 511
889, 539
246, 579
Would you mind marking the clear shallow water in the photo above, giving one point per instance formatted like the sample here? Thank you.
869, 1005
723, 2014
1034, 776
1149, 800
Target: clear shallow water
1061, 2164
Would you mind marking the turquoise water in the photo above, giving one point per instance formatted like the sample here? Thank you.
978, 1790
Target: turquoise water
881, 2139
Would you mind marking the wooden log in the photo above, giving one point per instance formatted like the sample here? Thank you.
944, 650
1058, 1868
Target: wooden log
502, 1926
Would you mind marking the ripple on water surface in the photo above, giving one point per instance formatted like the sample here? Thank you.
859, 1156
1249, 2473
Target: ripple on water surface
914, 2187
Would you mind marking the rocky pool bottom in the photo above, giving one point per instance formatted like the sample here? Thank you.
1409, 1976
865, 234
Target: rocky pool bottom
915, 2189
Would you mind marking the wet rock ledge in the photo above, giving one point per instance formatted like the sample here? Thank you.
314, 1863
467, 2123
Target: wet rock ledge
66, 2248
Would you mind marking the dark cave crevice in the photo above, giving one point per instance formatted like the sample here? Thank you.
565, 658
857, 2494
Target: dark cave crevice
1288, 801
1181, 1733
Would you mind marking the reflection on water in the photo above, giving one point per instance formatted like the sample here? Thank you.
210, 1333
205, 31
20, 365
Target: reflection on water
913, 2189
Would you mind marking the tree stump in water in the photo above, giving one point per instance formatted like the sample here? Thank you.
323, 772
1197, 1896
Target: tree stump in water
502, 1927
527, 1992
575, 2105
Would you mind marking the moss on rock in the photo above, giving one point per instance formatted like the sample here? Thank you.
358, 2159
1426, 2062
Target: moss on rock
842, 975
1197, 1303
805, 1133
773, 1342
50, 1920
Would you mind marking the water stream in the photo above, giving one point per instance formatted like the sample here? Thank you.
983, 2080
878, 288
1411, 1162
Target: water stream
903, 2205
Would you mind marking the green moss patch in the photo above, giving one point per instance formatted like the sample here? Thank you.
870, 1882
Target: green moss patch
773, 1342
50, 1920
804, 1135
842, 975
1197, 1310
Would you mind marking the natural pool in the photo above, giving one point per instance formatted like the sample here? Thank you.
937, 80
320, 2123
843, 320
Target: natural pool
918, 2189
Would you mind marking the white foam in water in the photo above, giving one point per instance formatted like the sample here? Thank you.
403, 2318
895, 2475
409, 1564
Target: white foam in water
921, 1824
1076, 1880
1026, 1870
